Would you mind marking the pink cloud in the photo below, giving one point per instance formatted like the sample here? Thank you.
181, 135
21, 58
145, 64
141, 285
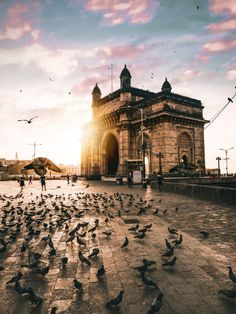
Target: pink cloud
16, 24
218, 46
88, 84
120, 11
120, 52
15, 13
186, 76
203, 58
35, 34
14, 33
231, 74
222, 6
189, 74
223, 26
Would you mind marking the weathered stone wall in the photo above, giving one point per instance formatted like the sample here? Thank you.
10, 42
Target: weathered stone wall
220, 195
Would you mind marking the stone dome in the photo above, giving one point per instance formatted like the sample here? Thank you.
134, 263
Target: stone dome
125, 72
96, 90
166, 87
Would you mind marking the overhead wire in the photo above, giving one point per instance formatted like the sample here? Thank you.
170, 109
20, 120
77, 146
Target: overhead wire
216, 115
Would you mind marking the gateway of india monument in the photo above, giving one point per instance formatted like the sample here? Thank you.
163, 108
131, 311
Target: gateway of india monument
135, 129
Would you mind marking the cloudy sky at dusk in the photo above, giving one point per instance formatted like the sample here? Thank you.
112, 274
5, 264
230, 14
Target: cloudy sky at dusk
52, 52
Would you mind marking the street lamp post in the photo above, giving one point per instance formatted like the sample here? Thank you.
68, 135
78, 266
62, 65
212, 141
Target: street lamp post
142, 142
218, 159
226, 157
34, 144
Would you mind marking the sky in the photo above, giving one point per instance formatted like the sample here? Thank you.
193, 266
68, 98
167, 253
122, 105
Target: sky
52, 53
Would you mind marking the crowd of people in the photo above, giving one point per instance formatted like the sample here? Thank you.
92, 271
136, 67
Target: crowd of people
42, 179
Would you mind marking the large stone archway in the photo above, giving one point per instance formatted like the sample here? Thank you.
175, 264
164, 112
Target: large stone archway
110, 162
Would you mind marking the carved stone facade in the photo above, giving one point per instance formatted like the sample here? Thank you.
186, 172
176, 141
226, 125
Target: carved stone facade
172, 125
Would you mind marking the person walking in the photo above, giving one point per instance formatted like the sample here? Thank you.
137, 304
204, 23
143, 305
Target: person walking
30, 179
22, 184
130, 180
43, 182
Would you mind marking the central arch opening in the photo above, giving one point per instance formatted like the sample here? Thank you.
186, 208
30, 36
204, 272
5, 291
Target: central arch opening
112, 155
185, 148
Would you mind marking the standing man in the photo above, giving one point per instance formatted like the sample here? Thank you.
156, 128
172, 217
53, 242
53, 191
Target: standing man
160, 180
43, 182
30, 179
68, 179
130, 180
22, 184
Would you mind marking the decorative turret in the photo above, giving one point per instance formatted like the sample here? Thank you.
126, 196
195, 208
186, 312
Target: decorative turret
125, 78
96, 93
166, 87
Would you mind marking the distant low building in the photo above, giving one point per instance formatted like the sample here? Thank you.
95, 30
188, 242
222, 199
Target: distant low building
69, 169
12, 167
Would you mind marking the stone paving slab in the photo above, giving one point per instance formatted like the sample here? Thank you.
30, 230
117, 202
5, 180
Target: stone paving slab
191, 287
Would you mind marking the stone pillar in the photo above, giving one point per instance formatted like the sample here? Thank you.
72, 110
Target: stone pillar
124, 143
94, 155
199, 147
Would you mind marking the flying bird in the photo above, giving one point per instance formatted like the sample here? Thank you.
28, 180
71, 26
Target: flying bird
230, 100
28, 121
40, 165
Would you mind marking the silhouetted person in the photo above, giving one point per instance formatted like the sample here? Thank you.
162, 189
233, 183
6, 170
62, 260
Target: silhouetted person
160, 180
22, 184
30, 179
130, 180
68, 179
43, 182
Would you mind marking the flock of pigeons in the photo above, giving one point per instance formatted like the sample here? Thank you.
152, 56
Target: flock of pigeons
40, 218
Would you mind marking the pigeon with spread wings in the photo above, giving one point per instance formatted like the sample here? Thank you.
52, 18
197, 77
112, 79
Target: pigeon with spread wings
28, 121
41, 164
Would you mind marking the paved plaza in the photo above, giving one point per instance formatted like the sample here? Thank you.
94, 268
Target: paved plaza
44, 221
